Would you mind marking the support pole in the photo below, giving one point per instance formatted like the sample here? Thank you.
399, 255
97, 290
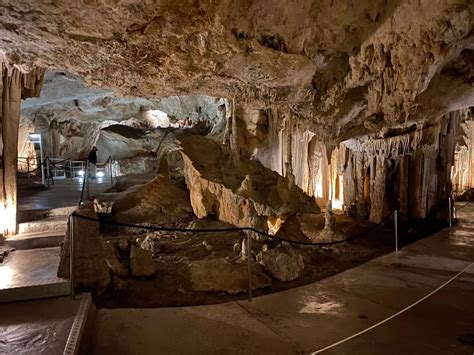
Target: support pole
111, 173
87, 180
249, 263
72, 257
450, 208
395, 221
48, 175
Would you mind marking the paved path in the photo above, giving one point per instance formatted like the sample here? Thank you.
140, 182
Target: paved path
64, 193
310, 318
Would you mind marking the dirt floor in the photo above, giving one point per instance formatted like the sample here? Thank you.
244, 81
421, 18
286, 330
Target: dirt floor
175, 252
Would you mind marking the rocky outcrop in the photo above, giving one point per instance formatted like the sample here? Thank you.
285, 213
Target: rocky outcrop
141, 262
91, 268
160, 201
235, 190
283, 262
221, 275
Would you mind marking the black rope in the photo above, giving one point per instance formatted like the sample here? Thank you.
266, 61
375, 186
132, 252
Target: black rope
234, 229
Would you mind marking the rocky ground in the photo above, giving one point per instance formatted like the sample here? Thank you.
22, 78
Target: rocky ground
135, 266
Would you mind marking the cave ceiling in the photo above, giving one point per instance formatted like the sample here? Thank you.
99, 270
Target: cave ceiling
346, 68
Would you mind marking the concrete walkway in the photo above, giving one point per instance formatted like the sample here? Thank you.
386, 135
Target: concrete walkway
310, 318
64, 193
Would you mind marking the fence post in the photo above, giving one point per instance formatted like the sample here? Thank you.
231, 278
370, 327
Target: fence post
395, 221
450, 210
87, 180
249, 263
111, 173
47, 171
72, 257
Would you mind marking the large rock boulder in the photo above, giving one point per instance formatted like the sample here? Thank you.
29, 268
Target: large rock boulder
160, 201
141, 262
219, 275
283, 262
237, 191
91, 269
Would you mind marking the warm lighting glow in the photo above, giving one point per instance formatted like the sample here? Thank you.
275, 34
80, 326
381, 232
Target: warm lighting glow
337, 204
34, 136
157, 118
274, 224
8, 218
6, 276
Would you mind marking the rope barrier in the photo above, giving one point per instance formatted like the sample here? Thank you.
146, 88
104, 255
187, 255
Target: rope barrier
396, 314
234, 229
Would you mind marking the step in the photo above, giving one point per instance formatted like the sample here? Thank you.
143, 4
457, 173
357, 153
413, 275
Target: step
35, 240
36, 215
56, 224
32, 292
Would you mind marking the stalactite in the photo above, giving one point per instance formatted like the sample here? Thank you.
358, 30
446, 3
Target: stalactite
15, 86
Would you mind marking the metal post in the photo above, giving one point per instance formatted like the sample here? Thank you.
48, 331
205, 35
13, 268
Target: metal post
47, 171
87, 180
395, 221
72, 257
28, 166
249, 263
450, 208
111, 174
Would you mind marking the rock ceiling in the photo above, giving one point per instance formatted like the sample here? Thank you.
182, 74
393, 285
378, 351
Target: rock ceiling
345, 67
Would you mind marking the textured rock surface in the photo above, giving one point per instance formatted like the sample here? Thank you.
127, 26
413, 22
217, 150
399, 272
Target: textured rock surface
235, 190
159, 201
221, 275
141, 262
336, 63
92, 270
72, 118
283, 262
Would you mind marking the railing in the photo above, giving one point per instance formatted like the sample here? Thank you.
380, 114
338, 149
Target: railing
247, 230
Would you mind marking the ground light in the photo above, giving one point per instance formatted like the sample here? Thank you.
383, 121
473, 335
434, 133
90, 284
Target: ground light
8, 218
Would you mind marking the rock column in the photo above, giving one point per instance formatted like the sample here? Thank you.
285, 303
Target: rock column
15, 86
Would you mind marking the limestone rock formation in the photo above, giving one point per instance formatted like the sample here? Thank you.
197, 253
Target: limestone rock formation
159, 201
283, 262
92, 270
141, 262
219, 275
235, 190
330, 232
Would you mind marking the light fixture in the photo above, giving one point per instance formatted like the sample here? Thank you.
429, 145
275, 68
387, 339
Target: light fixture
100, 174
80, 173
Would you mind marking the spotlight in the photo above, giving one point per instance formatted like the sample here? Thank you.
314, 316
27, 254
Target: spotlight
80, 173
100, 174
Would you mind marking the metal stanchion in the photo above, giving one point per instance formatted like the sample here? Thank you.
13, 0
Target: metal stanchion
72, 258
395, 221
111, 173
28, 166
249, 263
87, 179
47, 171
450, 210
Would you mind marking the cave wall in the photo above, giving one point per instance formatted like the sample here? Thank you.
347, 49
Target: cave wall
408, 170
462, 173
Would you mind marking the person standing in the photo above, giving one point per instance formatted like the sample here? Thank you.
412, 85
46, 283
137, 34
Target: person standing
92, 162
